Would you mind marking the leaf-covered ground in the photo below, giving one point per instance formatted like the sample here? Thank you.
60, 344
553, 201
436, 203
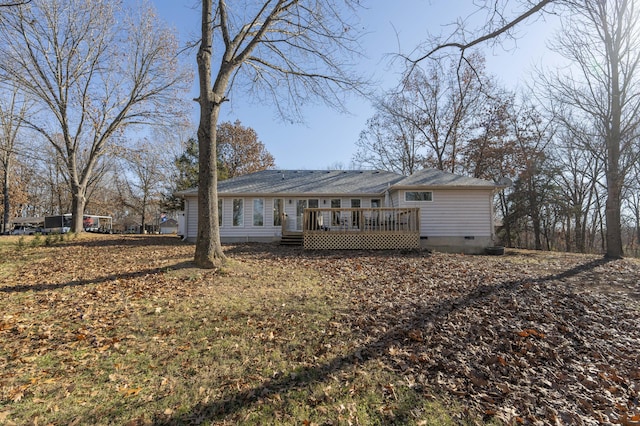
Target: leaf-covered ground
122, 329
535, 338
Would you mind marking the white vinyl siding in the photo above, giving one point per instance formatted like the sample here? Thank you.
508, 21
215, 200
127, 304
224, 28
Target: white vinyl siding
455, 213
191, 214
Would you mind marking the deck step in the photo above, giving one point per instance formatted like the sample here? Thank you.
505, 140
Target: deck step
291, 240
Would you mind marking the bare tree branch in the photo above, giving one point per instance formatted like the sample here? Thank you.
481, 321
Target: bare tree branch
15, 3
489, 36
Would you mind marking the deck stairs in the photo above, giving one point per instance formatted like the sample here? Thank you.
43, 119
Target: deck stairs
291, 239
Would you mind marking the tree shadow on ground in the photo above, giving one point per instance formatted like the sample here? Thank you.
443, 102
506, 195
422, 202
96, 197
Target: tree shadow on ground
218, 410
38, 287
118, 240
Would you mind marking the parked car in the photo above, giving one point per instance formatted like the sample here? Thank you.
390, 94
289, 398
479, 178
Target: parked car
24, 230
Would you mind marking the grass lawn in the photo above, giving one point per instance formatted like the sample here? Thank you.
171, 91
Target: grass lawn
123, 330
101, 329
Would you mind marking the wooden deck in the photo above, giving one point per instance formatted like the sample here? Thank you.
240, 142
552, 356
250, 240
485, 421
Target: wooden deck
359, 228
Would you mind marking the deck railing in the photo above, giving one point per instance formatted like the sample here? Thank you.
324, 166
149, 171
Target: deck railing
385, 228
361, 220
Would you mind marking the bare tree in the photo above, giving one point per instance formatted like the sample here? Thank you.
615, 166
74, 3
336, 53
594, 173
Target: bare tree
286, 51
633, 206
389, 141
58, 198
425, 122
580, 171
95, 68
491, 152
140, 183
533, 135
602, 41
12, 113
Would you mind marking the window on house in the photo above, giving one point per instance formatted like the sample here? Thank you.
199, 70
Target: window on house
373, 218
238, 212
315, 218
258, 212
355, 216
220, 212
418, 196
335, 216
278, 205
300, 206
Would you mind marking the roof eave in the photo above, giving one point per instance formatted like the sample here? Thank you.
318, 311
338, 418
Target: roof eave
302, 194
426, 186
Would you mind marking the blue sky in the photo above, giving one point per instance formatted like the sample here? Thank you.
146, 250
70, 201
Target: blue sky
327, 137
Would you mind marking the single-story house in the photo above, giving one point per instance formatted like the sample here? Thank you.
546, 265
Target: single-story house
353, 209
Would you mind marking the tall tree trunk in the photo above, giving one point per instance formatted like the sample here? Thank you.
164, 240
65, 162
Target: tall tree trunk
534, 211
580, 231
77, 208
612, 215
209, 252
613, 141
5, 197
567, 233
143, 215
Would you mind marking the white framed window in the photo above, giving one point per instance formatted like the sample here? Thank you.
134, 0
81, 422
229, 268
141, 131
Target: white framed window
300, 206
220, 210
335, 217
418, 196
238, 212
278, 209
258, 212
355, 215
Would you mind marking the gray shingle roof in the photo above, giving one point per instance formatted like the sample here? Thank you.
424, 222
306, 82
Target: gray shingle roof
310, 181
438, 178
337, 182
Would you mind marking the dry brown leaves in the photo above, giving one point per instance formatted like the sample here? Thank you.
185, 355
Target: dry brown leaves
73, 297
528, 338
